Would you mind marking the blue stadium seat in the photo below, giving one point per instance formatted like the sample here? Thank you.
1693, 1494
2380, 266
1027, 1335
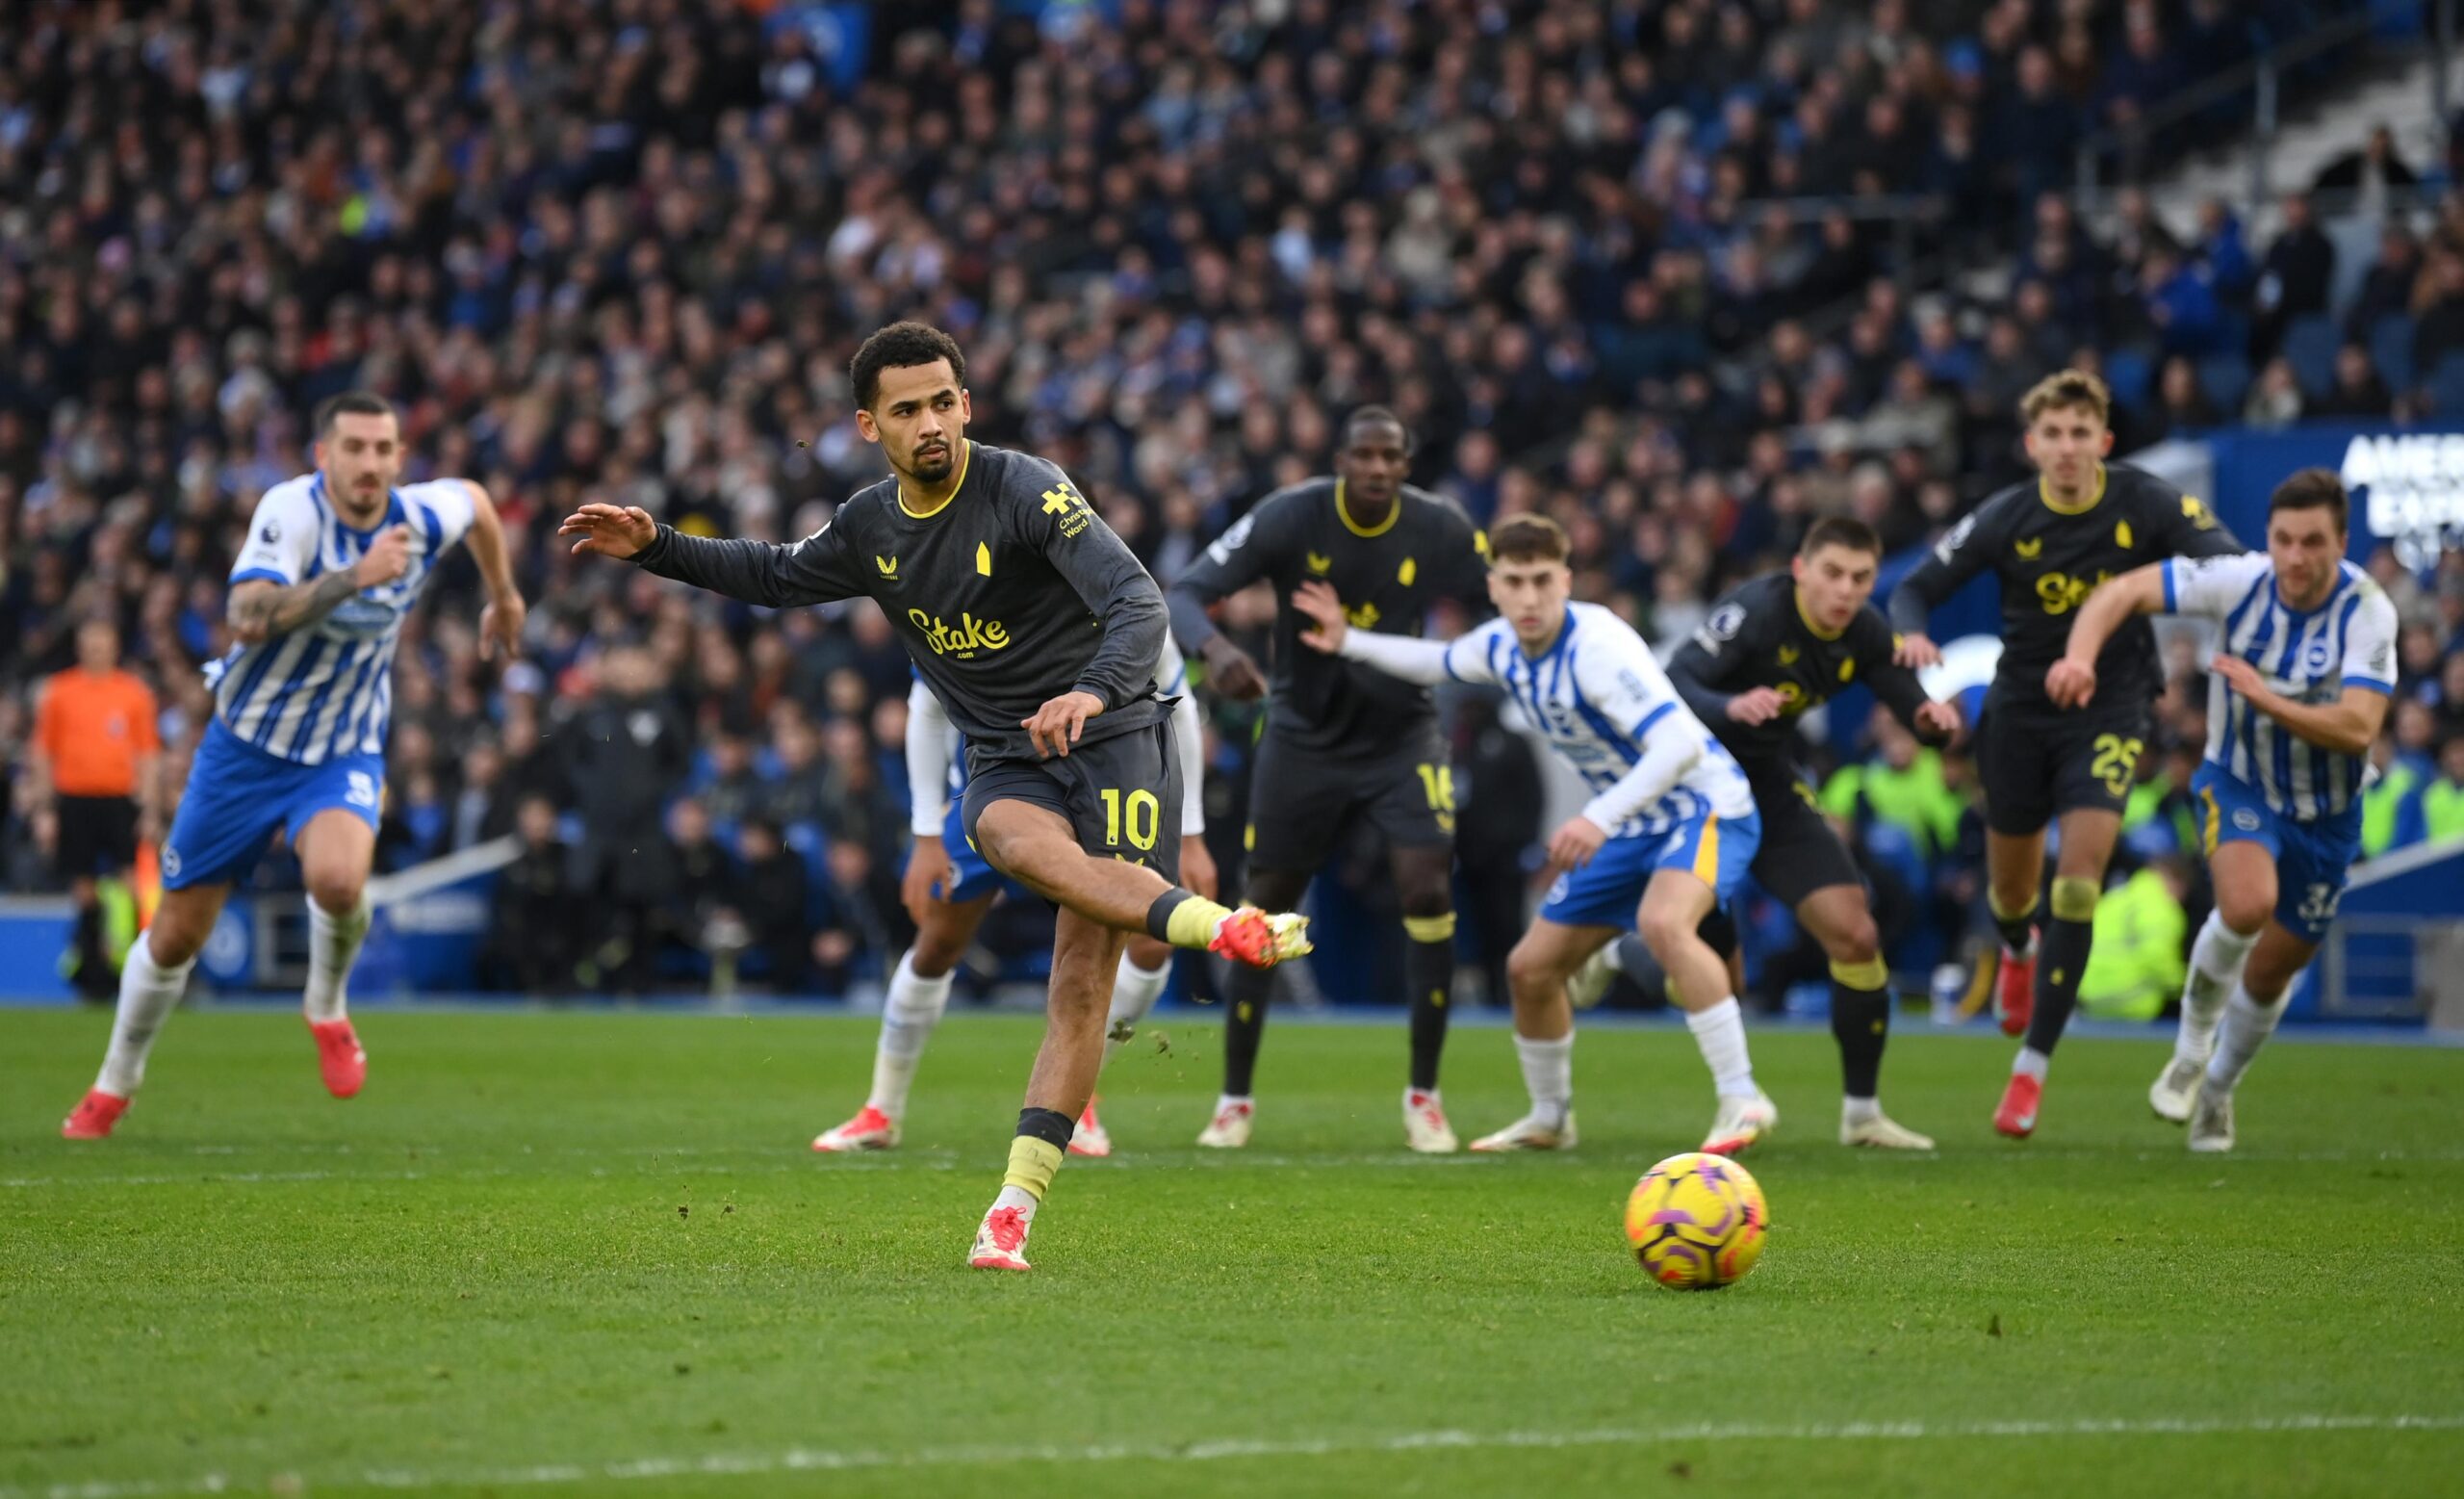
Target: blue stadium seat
2310, 345
2391, 349
2128, 373
2227, 379
2447, 386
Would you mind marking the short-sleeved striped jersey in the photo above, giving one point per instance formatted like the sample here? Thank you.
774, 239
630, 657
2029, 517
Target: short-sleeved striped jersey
327, 688
2310, 656
1597, 695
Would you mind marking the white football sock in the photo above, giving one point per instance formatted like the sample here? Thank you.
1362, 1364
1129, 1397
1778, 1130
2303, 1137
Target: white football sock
333, 947
1859, 1111
147, 992
1018, 1198
2216, 968
1227, 1100
1720, 1032
1549, 1073
911, 1010
1135, 991
2247, 1025
2031, 1063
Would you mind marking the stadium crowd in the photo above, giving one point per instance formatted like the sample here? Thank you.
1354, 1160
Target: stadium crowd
621, 250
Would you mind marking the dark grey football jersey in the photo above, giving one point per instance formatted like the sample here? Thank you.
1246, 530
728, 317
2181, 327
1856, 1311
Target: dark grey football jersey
1387, 575
1009, 595
2049, 559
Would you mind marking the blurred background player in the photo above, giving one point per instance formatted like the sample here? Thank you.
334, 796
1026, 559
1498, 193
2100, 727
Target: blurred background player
2051, 542
1771, 650
2298, 690
94, 751
948, 888
1039, 632
334, 562
1665, 839
1342, 741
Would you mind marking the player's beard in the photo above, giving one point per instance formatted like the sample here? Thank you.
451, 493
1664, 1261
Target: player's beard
934, 467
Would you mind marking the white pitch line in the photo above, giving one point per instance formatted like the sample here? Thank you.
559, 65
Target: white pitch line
802, 1460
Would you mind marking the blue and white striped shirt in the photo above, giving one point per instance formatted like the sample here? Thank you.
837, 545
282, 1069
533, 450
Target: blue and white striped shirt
2310, 656
328, 688
1598, 695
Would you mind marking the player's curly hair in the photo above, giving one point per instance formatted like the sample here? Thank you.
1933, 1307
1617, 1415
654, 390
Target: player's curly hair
2067, 390
901, 346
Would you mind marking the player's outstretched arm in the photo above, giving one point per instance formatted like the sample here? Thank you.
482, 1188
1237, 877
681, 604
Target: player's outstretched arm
500, 619
815, 570
2071, 682
1419, 662
259, 608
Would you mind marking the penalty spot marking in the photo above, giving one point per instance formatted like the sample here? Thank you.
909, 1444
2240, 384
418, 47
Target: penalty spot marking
810, 1459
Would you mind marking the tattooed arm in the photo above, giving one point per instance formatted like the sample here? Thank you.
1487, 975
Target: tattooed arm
260, 609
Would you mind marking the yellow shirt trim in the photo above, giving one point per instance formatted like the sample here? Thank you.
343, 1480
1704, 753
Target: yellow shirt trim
1393, 513
2081, 508
1819, 633
967, 458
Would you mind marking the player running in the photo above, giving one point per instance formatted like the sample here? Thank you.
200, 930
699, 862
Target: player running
334, 561
2051, 543
1342, 742
1770, 651
1666, 837
1039, 632
2298, 687
948, 888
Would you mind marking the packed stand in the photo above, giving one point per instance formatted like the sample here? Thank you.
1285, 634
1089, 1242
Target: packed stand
623, 251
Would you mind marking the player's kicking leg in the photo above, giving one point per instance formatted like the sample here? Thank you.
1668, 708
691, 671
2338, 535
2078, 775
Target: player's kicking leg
151, 981
1103, 899
2088, 836
2246, 892
1839, 917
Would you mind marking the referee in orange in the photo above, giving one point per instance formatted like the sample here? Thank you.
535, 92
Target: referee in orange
96, 749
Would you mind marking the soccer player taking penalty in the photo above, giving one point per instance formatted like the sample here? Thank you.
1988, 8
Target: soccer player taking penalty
2051, 543
948, 889
1771, 650
2296, 692
1666, 837
1039, 632
334, 561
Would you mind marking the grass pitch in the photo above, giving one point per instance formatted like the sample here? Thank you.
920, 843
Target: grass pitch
590, 1253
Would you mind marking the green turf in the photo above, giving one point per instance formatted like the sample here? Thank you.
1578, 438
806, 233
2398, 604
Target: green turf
545, 1247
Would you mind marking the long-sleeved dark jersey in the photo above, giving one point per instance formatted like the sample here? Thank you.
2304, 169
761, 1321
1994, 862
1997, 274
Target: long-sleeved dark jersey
1387, 575
1011, 594
2049, 560
1758, 637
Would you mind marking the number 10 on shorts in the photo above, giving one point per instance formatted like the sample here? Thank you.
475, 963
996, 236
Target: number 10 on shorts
1144, 816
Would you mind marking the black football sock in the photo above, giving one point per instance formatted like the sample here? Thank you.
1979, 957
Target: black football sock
1245, 1026
2062, 961
1860, 1023
2017, 929
1429, 977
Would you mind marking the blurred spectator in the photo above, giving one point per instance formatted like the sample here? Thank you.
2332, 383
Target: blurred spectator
2434, 811
2374, 173
2294, 278
624, 754
704, 882
533, 915
770, 895
2275, 398
2358, 393
2181, 401
2141, 943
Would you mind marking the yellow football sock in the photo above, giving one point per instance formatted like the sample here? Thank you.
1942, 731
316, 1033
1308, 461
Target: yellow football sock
1192, 922
1032, 1163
